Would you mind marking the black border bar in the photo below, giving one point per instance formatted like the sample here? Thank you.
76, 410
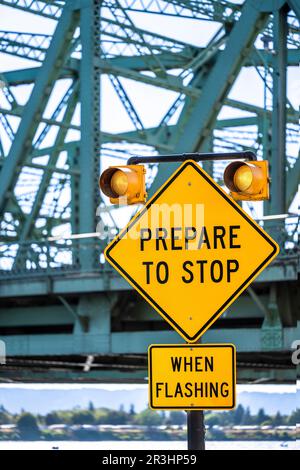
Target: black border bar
196, 156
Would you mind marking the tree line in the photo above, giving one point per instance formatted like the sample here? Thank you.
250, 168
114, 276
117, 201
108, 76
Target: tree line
31, 423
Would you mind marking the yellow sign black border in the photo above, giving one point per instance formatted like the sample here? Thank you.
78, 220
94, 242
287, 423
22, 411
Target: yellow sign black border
208, 179
218, 345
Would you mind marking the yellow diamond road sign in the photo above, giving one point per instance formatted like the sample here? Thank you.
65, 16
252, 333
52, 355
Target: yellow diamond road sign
191, 251
193, 376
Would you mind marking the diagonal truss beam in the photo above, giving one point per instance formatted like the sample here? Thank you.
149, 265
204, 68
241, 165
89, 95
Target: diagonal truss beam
201, 120
295, 5
136, 63
56, 56
27, 227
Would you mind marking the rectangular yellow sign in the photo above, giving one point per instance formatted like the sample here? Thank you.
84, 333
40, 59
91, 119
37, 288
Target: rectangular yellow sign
192, 376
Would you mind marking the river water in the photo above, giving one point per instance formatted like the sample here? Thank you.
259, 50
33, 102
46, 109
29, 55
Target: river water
147, 445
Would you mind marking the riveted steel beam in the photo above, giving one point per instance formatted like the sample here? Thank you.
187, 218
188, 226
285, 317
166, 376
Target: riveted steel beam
201, 118
56, 55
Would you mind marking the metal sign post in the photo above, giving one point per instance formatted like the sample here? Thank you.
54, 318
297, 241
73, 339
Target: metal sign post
196, 430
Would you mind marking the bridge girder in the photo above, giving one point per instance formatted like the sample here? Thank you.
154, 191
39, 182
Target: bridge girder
49, 184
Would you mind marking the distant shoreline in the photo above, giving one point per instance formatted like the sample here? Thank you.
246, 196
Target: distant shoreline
160, 446
87, 433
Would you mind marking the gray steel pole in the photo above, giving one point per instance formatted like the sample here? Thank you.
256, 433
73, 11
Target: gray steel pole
196, 430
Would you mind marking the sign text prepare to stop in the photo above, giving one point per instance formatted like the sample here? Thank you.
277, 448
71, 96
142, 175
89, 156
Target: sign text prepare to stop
191, 251
190, 238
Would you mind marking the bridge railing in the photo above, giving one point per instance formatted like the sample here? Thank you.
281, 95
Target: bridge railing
36, 258
44, 257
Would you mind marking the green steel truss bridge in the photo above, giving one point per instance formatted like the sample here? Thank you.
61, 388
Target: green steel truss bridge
64, 314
